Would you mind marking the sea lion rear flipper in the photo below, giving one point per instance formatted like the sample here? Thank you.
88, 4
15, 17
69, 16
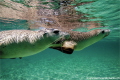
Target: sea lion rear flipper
64, 50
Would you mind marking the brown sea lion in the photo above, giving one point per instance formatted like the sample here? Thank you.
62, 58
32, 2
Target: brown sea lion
22, 43
79, 40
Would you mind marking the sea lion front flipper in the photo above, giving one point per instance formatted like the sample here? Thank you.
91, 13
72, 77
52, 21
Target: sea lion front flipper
64, 50
67, 47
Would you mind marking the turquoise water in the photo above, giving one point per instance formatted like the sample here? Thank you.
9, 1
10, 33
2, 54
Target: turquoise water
100, 60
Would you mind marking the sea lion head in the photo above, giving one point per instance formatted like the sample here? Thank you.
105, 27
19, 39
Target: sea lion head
99, 34
90, 38
104, 32
55, 34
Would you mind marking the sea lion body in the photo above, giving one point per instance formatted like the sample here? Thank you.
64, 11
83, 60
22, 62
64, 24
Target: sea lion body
22, 43
80, 40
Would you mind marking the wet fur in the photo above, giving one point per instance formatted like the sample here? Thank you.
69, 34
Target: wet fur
16, 36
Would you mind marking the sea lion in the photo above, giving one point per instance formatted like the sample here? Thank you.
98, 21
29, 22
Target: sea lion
79, 40
22, 43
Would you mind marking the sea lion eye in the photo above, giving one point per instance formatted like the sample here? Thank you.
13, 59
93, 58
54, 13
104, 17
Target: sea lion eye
56, 31
103, 31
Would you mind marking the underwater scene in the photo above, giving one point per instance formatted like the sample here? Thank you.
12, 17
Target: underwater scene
99, 61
